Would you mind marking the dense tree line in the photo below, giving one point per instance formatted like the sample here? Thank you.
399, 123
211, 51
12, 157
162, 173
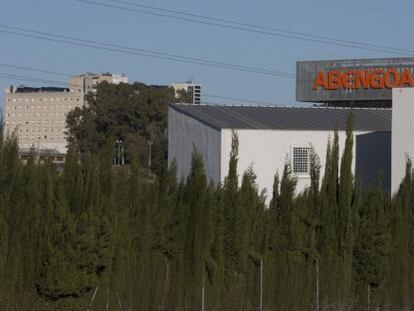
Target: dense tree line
131, 114
98, 237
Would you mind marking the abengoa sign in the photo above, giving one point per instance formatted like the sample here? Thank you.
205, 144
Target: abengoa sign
356, 79
349, 80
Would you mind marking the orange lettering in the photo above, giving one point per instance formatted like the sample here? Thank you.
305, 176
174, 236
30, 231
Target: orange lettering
320, 81
406, 78
362, 79
334, 80
376, 79
356, 79
395, 81
348, 80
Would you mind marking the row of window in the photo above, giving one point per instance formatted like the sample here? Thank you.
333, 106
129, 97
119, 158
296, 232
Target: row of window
19, 115
45, 124
43, 99
51, 137
52, 114
40, 130
40, 107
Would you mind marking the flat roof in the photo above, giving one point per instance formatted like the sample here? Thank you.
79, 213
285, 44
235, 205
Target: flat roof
286, 118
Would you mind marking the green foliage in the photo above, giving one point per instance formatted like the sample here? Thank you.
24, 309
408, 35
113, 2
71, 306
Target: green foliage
133, 113
103, 237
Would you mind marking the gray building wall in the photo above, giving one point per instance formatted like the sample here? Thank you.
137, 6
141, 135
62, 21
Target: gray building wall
185, 134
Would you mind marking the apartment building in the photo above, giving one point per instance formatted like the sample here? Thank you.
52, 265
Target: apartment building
193, 90
89, 81
38, 114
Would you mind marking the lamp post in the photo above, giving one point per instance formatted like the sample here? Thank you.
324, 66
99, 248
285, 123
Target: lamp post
118, 158
149, 155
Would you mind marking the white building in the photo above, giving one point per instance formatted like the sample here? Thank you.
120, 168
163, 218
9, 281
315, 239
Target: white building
402, 133
88, 82
38, 114
269, 136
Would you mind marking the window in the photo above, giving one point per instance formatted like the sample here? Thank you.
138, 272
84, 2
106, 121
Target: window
300, 160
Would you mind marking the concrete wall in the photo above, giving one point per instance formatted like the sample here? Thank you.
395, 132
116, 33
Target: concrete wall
185, 134
267, 151
402, 133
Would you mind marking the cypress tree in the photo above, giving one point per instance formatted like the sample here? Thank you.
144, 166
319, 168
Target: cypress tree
371, 249
345, 216
400, 258
231, 297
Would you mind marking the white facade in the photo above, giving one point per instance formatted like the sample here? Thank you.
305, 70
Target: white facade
402, 133
265, 150
39, 118
268, 150
38, 115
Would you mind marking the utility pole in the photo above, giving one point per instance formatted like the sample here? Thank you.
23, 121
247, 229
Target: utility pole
202, 296
118, 158
119, 302
123, 155
369, 296
261, 284
317, 284
93, 298
149, 155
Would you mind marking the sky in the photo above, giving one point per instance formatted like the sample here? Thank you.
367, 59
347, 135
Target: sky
379, 22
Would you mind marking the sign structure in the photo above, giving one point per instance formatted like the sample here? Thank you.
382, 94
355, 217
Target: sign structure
352, 80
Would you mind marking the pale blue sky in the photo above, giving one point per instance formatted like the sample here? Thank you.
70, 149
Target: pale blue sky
390, 24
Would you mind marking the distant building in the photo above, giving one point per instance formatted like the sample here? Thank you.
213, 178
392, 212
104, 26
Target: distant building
192, 89
88, 82
38, 114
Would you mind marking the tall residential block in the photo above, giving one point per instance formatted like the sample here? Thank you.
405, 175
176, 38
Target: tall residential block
38, 114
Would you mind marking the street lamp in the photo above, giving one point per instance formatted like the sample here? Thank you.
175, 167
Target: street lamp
118, 159
149, 155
